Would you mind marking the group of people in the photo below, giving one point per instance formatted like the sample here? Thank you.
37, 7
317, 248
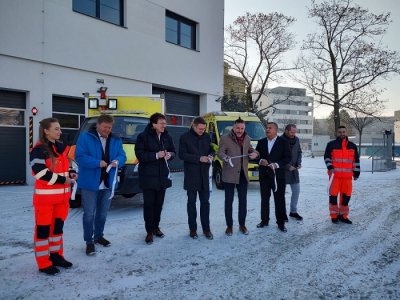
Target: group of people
99, 154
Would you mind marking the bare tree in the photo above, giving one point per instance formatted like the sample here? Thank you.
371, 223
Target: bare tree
254, 48
346, 55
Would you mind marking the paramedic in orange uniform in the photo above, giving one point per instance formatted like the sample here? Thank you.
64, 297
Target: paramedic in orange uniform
50, 167
343, 163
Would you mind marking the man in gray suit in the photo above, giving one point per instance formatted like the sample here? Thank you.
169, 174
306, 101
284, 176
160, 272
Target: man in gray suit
292, 168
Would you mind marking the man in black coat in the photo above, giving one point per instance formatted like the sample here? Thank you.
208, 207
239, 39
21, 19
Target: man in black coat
196, 153
274, 156
154, 148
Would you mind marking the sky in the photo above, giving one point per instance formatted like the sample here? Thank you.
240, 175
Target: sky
298, 9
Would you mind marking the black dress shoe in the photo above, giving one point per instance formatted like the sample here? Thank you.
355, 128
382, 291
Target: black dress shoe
296, 216
208, 234
335, 220
262, 224
282, 228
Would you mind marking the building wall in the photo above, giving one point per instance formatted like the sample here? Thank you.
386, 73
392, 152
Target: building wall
48, 49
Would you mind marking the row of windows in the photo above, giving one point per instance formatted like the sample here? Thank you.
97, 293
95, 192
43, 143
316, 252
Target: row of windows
291, 102
178, 30
292, 112
286, 121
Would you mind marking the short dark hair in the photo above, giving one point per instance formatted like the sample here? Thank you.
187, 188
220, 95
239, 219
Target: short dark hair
199, 120
155, 117
273, 123
105, 119
239, 121
290, 126
342, 126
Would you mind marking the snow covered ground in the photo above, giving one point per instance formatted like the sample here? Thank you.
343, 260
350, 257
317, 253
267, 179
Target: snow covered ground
313, 260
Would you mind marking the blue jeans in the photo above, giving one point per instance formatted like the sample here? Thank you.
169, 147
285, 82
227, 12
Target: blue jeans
295, 187
95, 207
204, 197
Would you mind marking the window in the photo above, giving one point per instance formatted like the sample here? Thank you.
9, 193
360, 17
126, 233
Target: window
180, 31
106, 10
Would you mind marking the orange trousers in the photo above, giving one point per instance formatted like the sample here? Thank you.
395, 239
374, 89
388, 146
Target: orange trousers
344, 187
48, 236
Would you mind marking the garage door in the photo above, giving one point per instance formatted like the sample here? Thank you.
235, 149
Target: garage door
13, 136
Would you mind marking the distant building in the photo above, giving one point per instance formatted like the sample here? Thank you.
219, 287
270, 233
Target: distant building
290, 105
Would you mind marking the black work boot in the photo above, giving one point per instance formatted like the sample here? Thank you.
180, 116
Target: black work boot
52, 270
60, 261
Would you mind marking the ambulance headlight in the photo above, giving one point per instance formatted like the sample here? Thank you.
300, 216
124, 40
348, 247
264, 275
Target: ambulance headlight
93, 103
112, 103
136, 168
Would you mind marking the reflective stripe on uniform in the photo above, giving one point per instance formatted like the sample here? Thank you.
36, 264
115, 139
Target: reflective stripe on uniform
53, 179
342, 160
41, 173
37, 161
327, 159
52, 191
42, 253
55, 238
55, 248
343, 170
41, 243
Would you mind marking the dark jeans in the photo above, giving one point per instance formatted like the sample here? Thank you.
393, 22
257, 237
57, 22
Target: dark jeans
242, 195
204, 196
267, 184
152, 207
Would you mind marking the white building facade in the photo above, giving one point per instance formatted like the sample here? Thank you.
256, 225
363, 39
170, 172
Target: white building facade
290, 105
53, 51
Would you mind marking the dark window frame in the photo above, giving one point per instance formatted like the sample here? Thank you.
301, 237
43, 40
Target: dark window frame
98, 16
182, 20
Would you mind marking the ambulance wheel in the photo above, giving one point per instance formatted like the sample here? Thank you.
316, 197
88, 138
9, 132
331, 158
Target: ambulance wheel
218, 178
129, 195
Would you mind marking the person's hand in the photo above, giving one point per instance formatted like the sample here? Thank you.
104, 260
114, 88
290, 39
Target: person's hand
73, 176
263, 162
69, 180
253, 155
103, 164
167, 155
161, 154
210, 158
114, 163
355, 178
330, 172
227, 158
204, 159
272, 166
291, 168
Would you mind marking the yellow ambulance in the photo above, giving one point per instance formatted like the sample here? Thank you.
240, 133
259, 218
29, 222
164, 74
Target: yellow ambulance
131, 116
220, 123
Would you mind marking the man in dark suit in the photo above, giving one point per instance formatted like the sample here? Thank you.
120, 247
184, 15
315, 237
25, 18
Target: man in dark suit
274, 156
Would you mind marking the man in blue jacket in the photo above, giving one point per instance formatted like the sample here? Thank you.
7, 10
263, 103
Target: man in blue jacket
99, 154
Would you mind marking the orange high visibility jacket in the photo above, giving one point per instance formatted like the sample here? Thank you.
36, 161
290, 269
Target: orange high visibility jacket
341, 156
50, 174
